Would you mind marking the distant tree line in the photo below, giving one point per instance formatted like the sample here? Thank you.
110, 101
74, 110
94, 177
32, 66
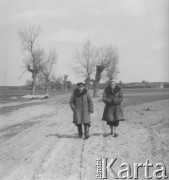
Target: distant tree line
53, 84
60, 87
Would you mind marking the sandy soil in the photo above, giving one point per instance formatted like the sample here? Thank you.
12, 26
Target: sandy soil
41, 143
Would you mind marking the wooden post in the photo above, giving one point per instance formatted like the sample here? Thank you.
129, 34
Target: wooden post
65, 82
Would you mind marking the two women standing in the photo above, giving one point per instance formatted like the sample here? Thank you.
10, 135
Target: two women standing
82, 106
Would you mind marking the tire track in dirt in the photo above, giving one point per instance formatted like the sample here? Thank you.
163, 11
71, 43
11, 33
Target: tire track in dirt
46, 157
94, 146
64, 161
63, 156
31, 136
81, 159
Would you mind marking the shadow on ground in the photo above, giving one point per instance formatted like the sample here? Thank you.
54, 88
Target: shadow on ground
75, 135
62, 136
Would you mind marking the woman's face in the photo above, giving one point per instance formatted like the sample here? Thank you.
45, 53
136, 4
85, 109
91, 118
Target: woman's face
112, 84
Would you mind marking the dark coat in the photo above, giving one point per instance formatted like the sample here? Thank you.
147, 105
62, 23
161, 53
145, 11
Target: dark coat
82, 105
113, 99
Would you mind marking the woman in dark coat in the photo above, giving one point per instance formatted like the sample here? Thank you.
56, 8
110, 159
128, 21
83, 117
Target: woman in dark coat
113, 113
81, 105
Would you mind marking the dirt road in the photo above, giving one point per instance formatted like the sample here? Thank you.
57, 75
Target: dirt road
41, 143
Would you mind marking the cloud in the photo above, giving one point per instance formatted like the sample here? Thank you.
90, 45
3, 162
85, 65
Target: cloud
28, 14
133, 7
70, 36
25, 17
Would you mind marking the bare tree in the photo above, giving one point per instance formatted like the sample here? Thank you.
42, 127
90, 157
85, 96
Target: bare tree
102, 58
57, 82
29, 39
112, 69
47, 67
105, 58
40, 83
85, 62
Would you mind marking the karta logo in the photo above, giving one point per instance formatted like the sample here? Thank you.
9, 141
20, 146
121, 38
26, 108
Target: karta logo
104, 167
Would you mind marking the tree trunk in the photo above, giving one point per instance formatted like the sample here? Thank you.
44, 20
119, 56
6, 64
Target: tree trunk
99, 70
33, 83
96, 89
87, 83
65, 87
46, 86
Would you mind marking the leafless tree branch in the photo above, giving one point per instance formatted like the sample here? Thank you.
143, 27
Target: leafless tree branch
86, 60
29, 38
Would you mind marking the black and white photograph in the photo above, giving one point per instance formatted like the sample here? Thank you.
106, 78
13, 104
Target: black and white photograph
84, 89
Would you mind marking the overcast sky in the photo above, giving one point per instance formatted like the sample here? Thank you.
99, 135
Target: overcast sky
138, 28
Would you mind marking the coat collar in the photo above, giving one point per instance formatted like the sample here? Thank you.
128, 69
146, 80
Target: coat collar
78, 94
108, 90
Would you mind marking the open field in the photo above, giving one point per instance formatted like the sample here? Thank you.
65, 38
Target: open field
38, 140
131, 97
6, 95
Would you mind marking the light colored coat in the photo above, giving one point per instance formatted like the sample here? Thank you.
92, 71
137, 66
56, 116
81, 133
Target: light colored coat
81, 105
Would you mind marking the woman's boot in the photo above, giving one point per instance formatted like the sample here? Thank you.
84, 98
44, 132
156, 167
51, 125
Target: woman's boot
80, 131
111, 130
86, 128
115, 131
